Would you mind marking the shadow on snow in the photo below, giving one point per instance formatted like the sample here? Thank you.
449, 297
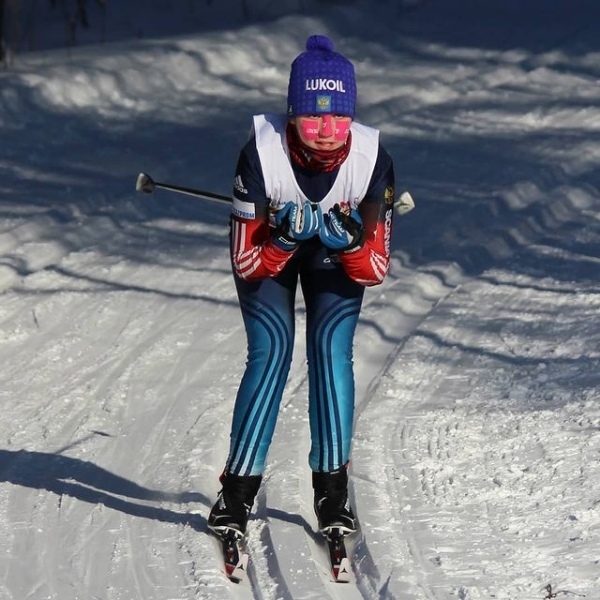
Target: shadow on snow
85, 481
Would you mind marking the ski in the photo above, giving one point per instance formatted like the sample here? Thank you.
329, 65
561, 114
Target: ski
234, 555
338, 556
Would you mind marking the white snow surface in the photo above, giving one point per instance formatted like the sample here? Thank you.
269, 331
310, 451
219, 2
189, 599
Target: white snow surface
476, 462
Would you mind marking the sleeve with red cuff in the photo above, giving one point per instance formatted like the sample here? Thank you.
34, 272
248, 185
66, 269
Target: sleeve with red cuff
254, 255
368, 264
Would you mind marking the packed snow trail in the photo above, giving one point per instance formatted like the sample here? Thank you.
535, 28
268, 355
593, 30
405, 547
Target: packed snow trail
475, 464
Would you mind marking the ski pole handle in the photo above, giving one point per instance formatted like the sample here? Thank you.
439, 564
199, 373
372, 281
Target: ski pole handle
146, 184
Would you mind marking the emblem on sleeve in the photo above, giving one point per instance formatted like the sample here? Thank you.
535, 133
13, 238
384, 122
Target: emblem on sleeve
388, 195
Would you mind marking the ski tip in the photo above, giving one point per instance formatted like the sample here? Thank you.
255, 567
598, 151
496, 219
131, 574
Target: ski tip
342, 572
237, 572
234, 556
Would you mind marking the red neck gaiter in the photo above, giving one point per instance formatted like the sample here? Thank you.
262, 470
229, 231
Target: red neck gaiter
315, 160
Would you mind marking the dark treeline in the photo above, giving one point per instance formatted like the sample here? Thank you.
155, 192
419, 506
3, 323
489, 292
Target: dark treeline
21, 19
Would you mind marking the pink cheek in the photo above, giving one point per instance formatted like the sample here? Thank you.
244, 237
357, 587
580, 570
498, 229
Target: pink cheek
310, 130
341, 132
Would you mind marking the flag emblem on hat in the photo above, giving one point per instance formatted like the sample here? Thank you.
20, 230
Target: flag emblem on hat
323, 103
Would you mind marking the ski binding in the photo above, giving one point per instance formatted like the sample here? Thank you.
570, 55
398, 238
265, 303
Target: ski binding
234, 556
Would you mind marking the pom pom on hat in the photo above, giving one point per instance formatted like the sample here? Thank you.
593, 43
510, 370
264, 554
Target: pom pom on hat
321, 81
319, 42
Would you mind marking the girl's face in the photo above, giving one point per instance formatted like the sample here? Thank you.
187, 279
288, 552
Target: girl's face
323, 132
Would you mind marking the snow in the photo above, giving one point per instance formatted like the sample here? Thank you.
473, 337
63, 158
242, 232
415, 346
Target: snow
476, 463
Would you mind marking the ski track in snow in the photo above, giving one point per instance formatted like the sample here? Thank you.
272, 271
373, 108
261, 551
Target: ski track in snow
540, 461
475, 468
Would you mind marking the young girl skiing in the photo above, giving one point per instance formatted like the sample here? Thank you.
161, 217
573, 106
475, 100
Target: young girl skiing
313, 203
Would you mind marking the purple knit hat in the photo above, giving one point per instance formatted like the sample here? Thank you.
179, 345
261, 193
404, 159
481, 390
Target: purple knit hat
321, 81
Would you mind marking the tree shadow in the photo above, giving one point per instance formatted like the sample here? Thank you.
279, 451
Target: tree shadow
85, 481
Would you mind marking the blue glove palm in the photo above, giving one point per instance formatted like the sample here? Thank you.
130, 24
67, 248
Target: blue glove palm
342, 231
295, 223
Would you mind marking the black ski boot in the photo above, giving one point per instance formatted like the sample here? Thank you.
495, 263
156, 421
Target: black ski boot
332, 506
234, 503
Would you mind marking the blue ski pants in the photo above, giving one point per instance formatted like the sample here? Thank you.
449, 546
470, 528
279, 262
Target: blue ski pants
333, 302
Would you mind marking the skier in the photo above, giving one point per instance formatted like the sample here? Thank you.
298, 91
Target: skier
313, 202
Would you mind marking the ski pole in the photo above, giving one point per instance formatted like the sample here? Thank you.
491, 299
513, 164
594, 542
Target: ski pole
403, 204
146, 184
